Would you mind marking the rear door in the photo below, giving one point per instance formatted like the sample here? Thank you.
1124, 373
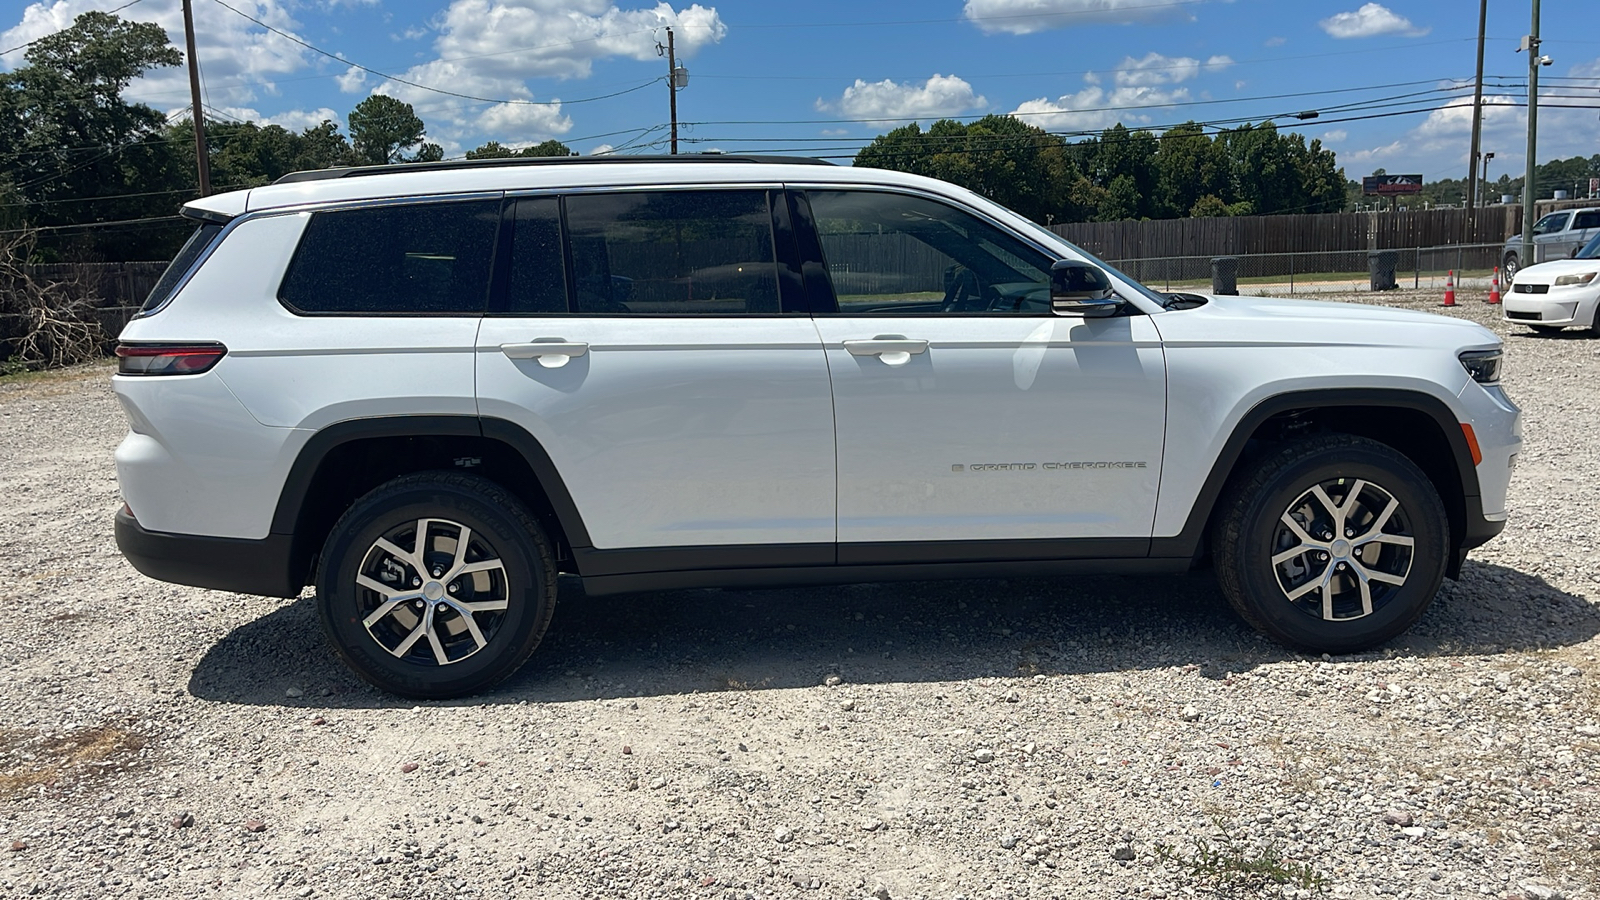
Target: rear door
1585, 225
655, 343
972, 422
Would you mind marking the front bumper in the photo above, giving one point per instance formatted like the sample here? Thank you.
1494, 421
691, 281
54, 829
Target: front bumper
240, 565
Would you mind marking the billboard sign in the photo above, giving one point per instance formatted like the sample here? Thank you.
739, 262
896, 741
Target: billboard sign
1390, 185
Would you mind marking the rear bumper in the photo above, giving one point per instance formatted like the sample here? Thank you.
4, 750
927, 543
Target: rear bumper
239, 565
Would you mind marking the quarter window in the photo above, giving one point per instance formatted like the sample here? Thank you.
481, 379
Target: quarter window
424, 259
673, 252
894, 253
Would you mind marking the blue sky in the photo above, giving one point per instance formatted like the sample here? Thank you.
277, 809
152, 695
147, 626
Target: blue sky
824, 77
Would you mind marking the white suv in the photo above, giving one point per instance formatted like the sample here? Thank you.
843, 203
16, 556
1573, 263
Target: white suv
428, 390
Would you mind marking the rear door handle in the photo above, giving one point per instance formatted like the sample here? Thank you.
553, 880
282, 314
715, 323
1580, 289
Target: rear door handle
552, 353
893, 349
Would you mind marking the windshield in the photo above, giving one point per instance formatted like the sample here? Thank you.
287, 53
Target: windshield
1109, 269
1591, 250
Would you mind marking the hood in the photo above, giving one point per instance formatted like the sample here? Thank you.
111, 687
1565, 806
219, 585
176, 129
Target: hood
1547, 272
1320, 322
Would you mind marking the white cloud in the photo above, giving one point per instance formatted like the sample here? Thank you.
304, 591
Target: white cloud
1274, 42
292, 120
1373, 154
490, 48
239, 60
890, 101
524, 123
1371, 20
352, 81
1029, 16
601, 150
1143, 82
1335, 136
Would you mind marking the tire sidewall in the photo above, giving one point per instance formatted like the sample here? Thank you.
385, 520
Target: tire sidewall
386, 510
1423, 511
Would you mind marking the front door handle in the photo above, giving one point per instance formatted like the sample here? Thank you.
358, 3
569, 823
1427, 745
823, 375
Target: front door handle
893, 349
552, 353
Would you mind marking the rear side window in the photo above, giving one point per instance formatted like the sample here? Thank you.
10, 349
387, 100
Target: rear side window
538, 274
1587, 220
192, 250
673, 252
424, 259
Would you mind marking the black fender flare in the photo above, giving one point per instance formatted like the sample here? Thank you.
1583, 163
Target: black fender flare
286, 517
1187, 543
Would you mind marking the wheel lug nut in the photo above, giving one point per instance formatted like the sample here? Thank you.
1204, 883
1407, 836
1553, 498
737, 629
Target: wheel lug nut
1349, 532
416, 582
421, 604
452, 589
437, 572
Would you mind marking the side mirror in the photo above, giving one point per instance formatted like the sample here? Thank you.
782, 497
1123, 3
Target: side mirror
1079, 289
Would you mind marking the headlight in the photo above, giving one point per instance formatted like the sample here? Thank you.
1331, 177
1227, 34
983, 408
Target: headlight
1483, 365
1564, 280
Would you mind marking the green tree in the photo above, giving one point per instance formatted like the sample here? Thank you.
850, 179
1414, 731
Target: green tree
1189, 168
497, 150
383, 128
1121, 201
68, 137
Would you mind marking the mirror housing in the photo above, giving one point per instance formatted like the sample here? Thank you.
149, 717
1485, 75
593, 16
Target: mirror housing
1080, 289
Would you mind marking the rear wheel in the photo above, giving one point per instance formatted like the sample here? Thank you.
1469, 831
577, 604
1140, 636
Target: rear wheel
436, 585
1511, 264
1332, 544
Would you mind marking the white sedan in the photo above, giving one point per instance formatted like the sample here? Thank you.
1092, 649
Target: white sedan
1553, 295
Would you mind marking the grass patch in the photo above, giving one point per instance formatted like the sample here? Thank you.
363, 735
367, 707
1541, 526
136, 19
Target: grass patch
30, 760
1231, 868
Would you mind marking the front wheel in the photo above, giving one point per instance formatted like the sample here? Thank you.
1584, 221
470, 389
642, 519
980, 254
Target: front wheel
436, 585
1332, 544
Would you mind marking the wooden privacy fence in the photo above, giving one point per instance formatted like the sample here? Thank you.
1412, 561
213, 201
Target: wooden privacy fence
117, 290
1308, 233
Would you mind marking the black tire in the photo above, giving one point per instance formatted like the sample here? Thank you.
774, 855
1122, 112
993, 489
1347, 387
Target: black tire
1250, 530
1594, 325
1510, 264
508, 605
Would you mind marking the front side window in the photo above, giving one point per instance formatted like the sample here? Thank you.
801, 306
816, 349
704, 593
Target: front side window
1551, 224
893, 253
673, 252
421, 259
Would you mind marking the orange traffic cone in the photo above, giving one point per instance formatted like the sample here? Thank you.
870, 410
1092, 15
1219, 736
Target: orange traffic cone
1494, 287
1450, 289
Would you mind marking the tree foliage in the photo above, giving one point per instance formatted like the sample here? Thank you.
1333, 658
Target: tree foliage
496, 150
383, 128
1122, 173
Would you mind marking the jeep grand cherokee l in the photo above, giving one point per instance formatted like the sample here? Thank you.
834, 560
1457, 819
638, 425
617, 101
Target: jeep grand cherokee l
427, 390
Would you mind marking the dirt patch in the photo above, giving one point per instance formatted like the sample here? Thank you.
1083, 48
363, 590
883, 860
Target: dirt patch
29, 759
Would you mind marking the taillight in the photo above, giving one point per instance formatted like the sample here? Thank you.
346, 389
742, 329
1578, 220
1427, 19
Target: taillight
167, 359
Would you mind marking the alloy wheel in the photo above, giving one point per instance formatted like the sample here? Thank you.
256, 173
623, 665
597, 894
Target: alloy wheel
1342, 549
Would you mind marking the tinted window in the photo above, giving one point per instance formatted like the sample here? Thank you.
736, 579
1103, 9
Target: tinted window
707, 252
1587, 220
538, 274
423, 259
191, 251
892, 253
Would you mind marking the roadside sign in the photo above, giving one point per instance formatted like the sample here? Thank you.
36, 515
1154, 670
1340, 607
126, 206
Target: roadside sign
1389, 185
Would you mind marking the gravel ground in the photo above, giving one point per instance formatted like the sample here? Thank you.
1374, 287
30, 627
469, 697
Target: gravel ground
1045, 738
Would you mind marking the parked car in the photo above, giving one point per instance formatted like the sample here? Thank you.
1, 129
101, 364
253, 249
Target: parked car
1557, 235
429, 389
1553, 295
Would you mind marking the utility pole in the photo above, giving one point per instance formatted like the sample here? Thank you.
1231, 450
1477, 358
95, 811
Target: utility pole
201, 160
1531, 44
672, 88
1477, 131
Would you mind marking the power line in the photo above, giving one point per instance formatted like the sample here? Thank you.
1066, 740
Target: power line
398, 80
68, 28
83, 225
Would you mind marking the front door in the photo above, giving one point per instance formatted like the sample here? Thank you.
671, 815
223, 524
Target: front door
966, 411
643, 341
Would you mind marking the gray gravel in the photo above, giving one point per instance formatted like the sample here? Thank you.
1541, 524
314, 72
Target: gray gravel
1002, 739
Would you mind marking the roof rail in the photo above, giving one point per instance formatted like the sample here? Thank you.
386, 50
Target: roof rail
356, 171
